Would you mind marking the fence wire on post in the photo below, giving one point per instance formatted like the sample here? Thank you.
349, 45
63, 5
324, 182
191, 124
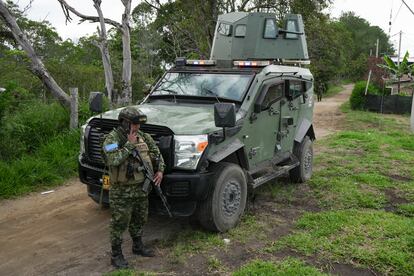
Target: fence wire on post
74, 102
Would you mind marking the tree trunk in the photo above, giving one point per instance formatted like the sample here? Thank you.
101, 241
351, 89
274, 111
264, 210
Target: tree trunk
399, 85
106, 58
126, 94
37, 66
74, 108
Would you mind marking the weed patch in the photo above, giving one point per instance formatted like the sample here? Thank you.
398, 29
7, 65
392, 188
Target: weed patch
287, 267
376, 239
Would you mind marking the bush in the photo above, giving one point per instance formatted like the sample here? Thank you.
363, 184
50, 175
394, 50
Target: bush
357, 98
33, 124
51, 164
13, 97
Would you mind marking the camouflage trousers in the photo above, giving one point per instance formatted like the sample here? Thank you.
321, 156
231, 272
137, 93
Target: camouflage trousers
129, 209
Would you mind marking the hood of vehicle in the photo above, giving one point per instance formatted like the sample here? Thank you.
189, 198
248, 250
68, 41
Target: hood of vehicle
181, 119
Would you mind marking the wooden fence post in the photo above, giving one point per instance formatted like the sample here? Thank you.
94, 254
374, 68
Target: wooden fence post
412, 113
74, 108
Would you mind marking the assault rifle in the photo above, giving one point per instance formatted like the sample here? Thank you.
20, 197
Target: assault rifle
148, 172
149, 179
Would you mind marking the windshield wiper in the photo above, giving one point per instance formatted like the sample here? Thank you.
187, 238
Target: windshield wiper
170, 91
211, 93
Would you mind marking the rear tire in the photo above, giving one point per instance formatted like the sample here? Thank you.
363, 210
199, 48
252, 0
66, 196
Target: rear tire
304, 153
225, 204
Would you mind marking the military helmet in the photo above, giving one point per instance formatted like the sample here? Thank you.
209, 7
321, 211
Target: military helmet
133, 115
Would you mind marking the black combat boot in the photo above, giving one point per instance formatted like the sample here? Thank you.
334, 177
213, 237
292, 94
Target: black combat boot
138, 248
117, 258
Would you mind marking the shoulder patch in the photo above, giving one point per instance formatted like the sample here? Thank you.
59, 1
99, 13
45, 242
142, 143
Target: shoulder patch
111, 147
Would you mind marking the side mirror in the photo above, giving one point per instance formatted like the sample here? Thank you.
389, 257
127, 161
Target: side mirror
96, 102
225, 114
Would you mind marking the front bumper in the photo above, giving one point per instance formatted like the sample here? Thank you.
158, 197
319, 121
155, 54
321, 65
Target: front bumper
182, 189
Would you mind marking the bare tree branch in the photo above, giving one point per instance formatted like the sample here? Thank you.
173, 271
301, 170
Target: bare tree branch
103, 47
152, 5
126, 93
243, 5
37, 66
28, 6
67, 9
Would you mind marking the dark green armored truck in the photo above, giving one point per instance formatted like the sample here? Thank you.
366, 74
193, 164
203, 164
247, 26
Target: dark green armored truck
225, 125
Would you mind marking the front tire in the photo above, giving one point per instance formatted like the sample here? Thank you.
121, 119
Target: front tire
304, 153
225, 204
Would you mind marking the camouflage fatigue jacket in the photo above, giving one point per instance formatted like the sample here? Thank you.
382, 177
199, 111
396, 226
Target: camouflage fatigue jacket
117, 154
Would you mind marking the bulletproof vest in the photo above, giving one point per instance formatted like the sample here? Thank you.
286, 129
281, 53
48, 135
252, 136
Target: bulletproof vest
119, 173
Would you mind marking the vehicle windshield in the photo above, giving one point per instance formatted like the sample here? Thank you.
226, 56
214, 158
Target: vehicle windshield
225, 86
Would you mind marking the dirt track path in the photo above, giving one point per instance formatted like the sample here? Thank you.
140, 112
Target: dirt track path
65, 233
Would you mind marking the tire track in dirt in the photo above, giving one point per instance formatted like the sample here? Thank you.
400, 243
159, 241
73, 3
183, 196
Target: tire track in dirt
65, 233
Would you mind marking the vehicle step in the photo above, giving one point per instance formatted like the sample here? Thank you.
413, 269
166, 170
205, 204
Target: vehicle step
272, 175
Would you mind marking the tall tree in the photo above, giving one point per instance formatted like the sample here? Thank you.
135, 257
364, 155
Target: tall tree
125, 29
37, 66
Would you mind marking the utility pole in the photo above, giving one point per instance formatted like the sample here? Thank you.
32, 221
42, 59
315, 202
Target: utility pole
399, 49
376, 53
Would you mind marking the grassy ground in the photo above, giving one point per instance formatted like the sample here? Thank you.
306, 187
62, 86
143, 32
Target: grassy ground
355, 216
335, 88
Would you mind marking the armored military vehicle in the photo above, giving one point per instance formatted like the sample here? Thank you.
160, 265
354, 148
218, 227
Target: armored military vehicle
225, 125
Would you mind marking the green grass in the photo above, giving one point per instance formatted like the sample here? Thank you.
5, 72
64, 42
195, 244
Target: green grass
189, 242
333, 89
406, 209
360, 172
358, 166
51, 164
288, 267
215, 265
379, 240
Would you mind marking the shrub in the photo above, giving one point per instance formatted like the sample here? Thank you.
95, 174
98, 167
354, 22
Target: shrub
13, 97
32, 125
357, 98
50, 164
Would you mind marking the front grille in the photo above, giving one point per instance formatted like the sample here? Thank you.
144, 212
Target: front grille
98, 128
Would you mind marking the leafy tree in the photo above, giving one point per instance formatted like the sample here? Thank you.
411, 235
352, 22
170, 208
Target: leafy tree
364, 35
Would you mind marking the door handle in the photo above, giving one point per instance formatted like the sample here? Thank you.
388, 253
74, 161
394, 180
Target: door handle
272, 111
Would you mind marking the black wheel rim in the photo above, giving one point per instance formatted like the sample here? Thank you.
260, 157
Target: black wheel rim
231, 198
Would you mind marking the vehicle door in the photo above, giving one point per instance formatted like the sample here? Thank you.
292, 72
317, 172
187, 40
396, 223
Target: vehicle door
264, 122
290, 107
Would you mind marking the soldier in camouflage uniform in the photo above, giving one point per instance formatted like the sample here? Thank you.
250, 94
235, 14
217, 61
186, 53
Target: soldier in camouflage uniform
129, 204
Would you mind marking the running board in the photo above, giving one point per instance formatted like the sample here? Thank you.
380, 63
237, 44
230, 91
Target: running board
272, 175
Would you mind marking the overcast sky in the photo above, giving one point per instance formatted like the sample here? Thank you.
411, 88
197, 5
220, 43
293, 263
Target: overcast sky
377, 12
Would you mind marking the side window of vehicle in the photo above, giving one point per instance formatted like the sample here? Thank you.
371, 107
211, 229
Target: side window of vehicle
270, 28
296, 88
273, 94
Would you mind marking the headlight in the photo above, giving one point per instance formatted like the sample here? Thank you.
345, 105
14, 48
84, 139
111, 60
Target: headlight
188, 150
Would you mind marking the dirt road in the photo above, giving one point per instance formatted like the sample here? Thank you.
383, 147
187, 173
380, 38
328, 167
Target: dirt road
65, 233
